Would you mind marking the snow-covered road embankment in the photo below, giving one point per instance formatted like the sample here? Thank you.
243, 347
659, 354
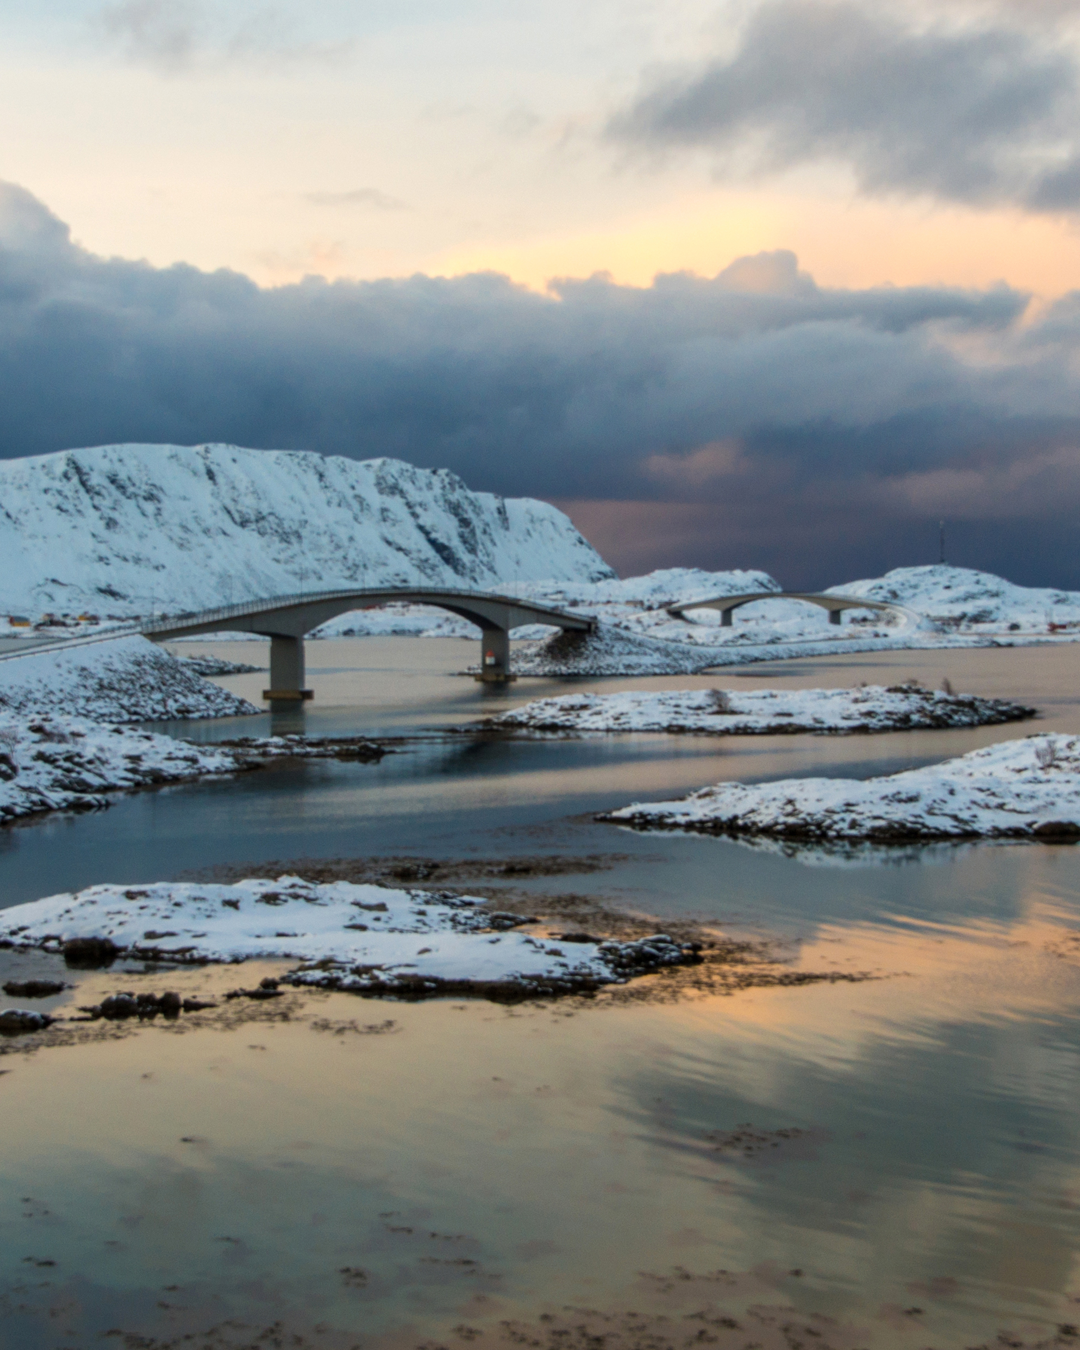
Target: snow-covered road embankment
1028, 788
360, 938
124, 679
72, 763
715, 712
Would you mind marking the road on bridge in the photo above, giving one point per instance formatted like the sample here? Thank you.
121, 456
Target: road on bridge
287, 619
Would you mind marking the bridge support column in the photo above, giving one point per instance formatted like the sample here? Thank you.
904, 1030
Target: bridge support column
286, 669
725, 617
834, 615
495, 656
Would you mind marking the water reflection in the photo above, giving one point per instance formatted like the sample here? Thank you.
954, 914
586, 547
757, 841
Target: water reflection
475, 1163
535, 1157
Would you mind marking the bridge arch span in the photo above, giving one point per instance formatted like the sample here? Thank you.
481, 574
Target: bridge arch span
835, 604
287, 619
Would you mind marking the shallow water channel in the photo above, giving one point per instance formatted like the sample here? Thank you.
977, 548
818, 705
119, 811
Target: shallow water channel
889, 1161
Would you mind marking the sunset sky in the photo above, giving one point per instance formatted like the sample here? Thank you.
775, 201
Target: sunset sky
901, 347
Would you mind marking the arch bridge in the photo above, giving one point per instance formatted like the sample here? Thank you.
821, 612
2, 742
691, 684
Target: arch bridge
287, 619
835, 604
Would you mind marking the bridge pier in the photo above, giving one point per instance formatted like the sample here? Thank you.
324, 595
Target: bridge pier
725, 618
286, 669
495, 656
834, 616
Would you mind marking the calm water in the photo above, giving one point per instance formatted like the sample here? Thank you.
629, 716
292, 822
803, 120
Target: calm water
479, 1164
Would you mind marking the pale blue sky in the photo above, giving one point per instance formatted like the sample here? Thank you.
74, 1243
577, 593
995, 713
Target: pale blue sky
221, 134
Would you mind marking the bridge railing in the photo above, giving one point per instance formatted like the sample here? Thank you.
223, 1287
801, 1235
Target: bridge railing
386, 594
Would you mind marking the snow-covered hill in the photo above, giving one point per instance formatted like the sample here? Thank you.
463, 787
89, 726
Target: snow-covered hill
126, 529
961, 598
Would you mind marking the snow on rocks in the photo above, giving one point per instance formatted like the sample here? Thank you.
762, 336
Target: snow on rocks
206, 664
52, 763
715, 712
125, 679
609, 651
1026, 788
361, 938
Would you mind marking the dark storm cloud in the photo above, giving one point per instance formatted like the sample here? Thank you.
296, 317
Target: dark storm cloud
752, 418
980, 115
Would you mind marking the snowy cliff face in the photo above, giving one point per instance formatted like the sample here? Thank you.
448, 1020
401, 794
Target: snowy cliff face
961, 598
125, 529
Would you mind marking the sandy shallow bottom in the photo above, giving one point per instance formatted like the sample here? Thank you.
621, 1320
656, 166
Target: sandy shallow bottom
891, 1162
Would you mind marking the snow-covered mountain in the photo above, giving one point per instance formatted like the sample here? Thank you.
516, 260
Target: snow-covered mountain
125, 529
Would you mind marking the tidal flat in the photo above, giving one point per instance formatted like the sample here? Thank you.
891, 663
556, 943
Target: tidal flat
889, 1155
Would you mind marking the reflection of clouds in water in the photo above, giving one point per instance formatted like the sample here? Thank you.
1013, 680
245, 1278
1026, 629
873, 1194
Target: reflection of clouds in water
943, 1152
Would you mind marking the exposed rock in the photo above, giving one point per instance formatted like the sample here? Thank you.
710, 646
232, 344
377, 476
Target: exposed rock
34, 988
17, 1021
90, 953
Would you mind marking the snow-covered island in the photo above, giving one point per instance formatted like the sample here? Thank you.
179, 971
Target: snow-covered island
717, 712
359, 938
54, 763
1023, 789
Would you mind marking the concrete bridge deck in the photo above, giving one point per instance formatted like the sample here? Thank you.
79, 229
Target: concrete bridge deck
286, 619
835, 604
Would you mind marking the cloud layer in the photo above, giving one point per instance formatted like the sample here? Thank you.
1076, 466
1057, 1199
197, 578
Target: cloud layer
174, 36
982, 115
749, 419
